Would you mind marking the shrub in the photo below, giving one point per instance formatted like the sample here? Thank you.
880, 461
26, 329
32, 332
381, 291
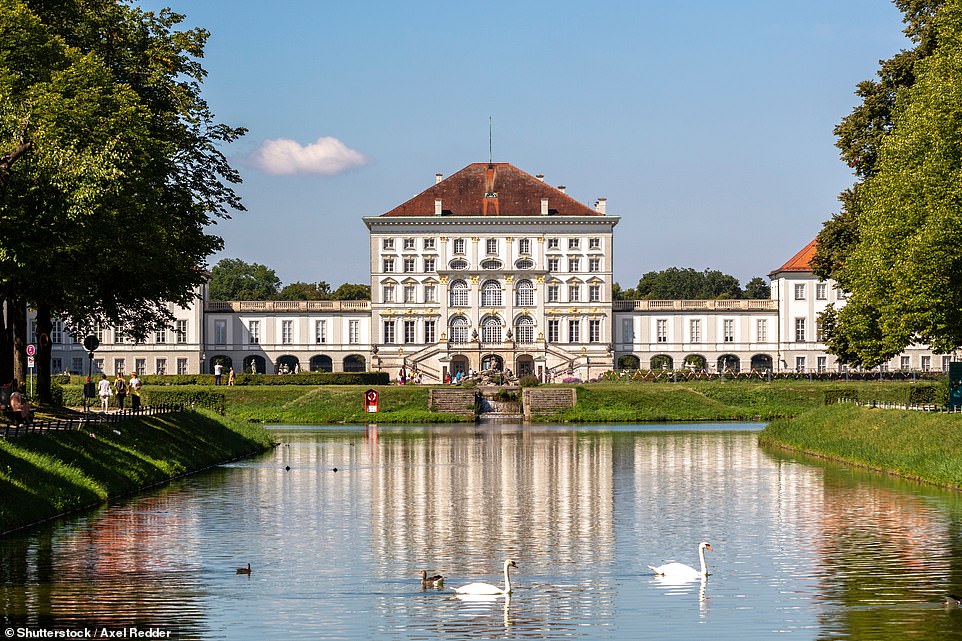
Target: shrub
529, 381
306, 378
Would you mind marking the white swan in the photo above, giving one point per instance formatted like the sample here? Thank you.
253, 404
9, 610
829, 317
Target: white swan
680, 571
487, 588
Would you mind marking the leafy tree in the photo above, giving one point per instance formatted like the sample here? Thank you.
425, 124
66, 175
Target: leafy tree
110, 171
234, 279
758, 289
348, 291
305, 291
687, 284
860, 134
904, 273
617, 293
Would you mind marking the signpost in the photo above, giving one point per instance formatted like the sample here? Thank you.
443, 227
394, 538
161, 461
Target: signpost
31, 352
91, 343
371, 400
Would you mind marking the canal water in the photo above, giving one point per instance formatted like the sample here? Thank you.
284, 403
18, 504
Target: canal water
337, 522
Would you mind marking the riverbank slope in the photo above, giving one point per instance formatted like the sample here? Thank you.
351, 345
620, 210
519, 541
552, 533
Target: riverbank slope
53, 473
917, 445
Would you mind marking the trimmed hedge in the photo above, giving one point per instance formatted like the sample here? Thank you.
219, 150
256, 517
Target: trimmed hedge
936, 393
305, 378
209, 399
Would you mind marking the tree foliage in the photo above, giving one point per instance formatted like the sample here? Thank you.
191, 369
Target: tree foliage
235, 279
305, 291
904, 272
677, 283
110, 168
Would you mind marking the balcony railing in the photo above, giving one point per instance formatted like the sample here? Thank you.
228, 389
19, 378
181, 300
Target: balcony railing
288, 306
726, 305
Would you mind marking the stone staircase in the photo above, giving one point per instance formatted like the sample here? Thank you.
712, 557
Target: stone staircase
453, 401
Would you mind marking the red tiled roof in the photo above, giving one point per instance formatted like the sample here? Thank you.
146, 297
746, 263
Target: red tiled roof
518, 194
800, 262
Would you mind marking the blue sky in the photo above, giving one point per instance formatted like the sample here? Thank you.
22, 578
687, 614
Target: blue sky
707, 125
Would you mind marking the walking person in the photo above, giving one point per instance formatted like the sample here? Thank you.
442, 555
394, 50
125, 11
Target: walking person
218, 373
104, 392
230, 376
120, 390
135, 385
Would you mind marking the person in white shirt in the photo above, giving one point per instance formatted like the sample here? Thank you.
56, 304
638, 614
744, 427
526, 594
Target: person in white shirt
104, 391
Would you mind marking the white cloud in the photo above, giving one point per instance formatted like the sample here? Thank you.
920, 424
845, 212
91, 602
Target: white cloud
327, 156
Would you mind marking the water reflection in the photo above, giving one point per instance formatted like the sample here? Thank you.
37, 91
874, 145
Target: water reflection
799, 547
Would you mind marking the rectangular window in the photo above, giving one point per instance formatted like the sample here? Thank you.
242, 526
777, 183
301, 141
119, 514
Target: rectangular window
821, 291
458, 245
140, 366
56, 365
574, 265
799, 292
594, 331
761, 330
491, 245
799, 363
574, 331
429, 264
594, 264
76, 365
430, 335
553, 330
120, 366
409, 243
99, 366
594, 243
160, 366
287, 332
822, 363
839, 294
430, 294
32, 331
320, 331
574, 293
694, 331
553, 243
799, 330
388, 264
945, 363
410, 329
254, 329
594, 293
905, 363
220, 331
661, 331
627, 330
429, 243
118, 336
553, 264
389, 293
553, 293
180, 329
728, 330
926, 363
161, 336
100, 333
387, 243
524, 246
182, 366
353, 332
574, 243
410, 295
819, 334
409, 264
56, 333
388, 331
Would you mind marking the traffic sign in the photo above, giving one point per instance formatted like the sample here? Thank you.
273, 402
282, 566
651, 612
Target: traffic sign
30, 362
31, 349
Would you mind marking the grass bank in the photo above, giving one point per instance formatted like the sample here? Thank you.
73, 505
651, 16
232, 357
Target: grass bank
917, 445
45, 475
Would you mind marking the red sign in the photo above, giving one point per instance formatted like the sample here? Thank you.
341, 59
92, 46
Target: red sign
31, 349
371, 400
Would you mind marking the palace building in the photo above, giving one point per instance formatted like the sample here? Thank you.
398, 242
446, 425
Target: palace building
491, 268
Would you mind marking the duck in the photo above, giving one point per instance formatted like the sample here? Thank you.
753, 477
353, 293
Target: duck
487, 588
952, 601
682, 571
246, 570
436, 581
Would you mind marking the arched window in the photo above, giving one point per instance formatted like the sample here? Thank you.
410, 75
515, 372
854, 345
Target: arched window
524, 329
491, 330
491, 294
524, 294
459, 294
458, 330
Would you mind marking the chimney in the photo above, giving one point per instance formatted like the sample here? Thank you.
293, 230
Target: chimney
561, 188
544, 206
540, 177
600, 205
437, 206
437, 178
